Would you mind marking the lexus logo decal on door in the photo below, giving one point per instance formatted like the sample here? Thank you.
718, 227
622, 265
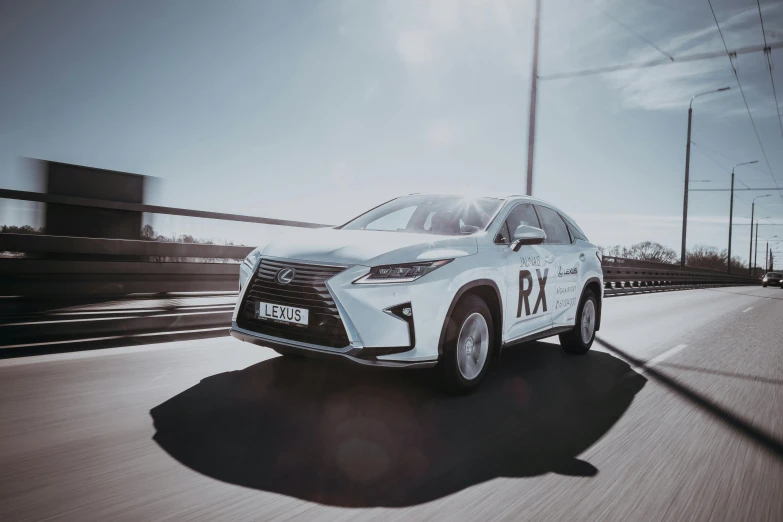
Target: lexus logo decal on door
285, 276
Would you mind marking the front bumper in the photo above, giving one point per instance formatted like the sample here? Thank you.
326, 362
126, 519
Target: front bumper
375, 336
356, 354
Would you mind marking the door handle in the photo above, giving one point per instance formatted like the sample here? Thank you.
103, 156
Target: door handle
582, 256
549, 259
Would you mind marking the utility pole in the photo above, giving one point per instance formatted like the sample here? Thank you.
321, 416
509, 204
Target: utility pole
750, 252
531, 132
731, 206
687, 172
685, 194
752, 210
756, 256
731, 217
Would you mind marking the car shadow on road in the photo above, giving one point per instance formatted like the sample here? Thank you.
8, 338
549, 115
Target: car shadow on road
350, 436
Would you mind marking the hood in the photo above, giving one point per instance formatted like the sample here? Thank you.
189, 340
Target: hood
366, 247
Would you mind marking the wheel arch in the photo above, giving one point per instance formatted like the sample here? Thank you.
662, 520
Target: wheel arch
593, 284
486, 289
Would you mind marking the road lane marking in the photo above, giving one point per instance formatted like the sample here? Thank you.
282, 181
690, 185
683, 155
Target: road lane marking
748, 309
665, 355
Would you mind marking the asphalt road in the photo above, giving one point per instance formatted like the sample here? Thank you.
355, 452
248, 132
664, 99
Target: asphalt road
676, 414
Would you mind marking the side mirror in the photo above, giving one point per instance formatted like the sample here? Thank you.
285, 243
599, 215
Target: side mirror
526, 235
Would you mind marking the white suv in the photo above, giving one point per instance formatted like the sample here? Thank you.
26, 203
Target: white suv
425, 280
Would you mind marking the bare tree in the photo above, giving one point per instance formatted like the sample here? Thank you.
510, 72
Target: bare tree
649, 251
644, 251
147, 232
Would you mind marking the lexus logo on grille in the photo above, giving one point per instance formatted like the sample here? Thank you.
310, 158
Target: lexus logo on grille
285, 276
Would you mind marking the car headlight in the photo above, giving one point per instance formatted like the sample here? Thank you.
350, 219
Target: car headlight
250, 260
404, 273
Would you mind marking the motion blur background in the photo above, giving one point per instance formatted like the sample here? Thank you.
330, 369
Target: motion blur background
318, 110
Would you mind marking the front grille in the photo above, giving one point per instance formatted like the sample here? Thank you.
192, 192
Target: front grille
307, 290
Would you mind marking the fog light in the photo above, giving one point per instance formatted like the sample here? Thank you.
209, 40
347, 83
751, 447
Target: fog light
404, 312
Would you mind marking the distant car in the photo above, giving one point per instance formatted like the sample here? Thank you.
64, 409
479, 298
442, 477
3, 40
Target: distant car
772, 278
425, 280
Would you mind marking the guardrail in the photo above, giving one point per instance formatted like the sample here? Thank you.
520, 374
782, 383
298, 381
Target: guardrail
24, 195
119, 266
622, 277
636, 263
40, 243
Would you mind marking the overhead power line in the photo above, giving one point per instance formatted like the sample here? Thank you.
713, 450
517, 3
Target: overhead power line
713, 160
655, 63
735, 190
768, 54
640, 37
702, 147
744, 99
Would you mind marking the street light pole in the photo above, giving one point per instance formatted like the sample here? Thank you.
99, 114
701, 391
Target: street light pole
756, 256
531, 131
752, 271
687, 172
731, 207
731, 216
766, 255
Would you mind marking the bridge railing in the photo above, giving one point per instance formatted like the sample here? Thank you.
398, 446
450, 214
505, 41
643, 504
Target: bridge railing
42, 265
624, 276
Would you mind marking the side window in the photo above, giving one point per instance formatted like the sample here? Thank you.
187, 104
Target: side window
502, 237
554, 226
522, 214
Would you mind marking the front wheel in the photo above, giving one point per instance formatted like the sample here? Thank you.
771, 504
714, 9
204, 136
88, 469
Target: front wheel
764, 285
580, 338
467, 344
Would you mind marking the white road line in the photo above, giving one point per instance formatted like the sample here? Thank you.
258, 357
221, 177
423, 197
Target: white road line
748, 309
665, 355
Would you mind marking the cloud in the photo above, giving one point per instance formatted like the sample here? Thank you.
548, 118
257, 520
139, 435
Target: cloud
415, 46
670, 87
440, 134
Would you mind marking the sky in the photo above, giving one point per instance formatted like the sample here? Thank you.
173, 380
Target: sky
319, 110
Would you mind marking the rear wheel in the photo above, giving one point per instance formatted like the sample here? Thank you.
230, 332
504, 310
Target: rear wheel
580, 338
467, 344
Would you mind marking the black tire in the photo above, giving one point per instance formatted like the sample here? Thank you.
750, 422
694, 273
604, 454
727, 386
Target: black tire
764, 285
453, 377
572, 342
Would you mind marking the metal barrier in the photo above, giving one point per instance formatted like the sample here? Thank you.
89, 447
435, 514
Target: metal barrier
131, 270
623, 278
35, 243
151, 209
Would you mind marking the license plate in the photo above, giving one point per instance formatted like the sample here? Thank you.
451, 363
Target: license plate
281, 313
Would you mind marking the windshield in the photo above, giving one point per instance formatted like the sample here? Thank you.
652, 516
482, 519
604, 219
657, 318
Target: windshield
774, 274
442, 215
